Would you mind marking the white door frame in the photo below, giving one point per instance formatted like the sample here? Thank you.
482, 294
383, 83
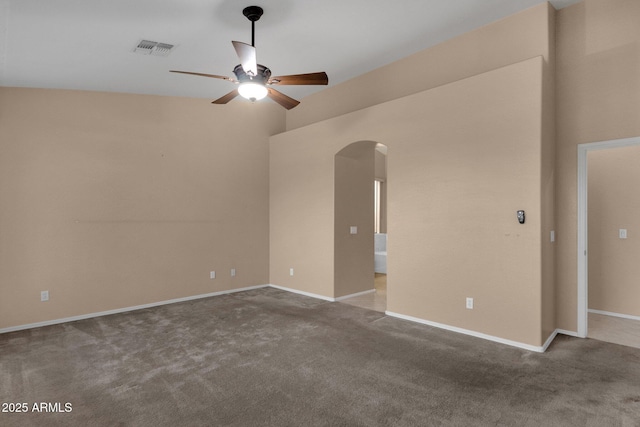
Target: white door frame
583, 267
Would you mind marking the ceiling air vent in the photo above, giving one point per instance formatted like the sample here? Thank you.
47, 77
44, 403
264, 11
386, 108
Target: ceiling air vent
148, 47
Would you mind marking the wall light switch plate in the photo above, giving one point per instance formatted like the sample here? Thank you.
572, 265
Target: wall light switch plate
622, 233
553, 236
212, 275
291, 272
353, 229
44, 296
470, 303
233, 272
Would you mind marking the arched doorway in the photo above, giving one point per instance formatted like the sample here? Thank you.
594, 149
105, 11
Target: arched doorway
360, 224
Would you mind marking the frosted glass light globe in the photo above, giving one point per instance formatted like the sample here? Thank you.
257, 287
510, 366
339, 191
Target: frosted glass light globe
252, 91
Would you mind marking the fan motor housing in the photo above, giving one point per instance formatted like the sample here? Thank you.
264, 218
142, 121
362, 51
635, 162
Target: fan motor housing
263, 74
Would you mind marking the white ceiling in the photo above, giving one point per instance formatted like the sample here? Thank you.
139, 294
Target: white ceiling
88, 44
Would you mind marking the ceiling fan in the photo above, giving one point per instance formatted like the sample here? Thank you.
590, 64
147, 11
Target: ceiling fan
254, 80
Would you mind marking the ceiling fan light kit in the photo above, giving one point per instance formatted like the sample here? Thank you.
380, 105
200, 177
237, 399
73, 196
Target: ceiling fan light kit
254, 79
252, 91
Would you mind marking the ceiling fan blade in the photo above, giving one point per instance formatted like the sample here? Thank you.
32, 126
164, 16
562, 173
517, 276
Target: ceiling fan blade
247, 55
215, 76
301, 79
282, 99
228, 97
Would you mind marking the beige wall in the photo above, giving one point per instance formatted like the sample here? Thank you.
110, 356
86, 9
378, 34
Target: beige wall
614, 203
516, 38
353, 194
301, 213
101, 211
380, 165
548, 184
442, 215
381, 174
110, 200
598, 99
462, 159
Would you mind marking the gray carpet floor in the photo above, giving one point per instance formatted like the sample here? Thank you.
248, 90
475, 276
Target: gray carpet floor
271, 358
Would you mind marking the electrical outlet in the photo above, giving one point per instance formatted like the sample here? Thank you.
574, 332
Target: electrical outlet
212, 275
291, 272
470, 303
233, 272
44, 296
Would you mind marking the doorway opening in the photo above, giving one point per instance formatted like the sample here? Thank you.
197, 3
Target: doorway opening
360, 222
608, 233
380, 229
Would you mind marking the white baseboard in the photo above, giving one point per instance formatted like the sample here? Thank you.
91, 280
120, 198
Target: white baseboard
609, 313
538, 349
549, 340
357, 294
307, 294
125, 309
322, 297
